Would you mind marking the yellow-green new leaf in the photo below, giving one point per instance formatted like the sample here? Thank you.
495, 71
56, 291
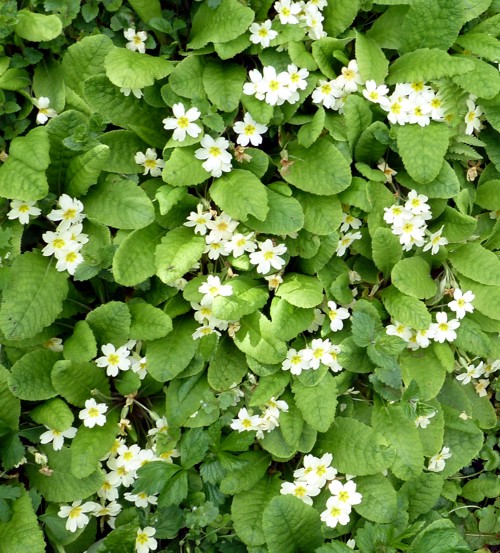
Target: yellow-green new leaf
372, 63
37, 27
477, 263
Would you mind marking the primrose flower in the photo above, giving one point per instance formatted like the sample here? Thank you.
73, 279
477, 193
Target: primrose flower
57, 437
374, 93
144, 541
296, 361
481, 386
137, 92
303, 490
317, 470
423, 421
183, 122
93, 413
349, 79
326, 93
150, 162
345, 493
69, 259
268, 256
275, 86
239, 244
287, 11
75, 514
389, 173
462, 303
44, 111
336, 512
114, 360
249, 130
437, 462
473, 117
245, 421
213, 288
444, 329
345, 241
336, 316
297, 78
214, 151
70, 212
261, 33
136, 40
22, 210
435, 241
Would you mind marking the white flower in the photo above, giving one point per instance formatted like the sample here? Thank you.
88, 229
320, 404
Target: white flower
412, 231
396, 215
416, 204
54, 344
139, 367
314, 24
349, 79
397, 107
141, 499
444, 329
136, 40
93, 413
22, 210
336, 512
326, 93
218, 159
69, 259
109, 510
268, 256
222, 227
255, 86
44, 111
374, 93
216, 247
275, 86
336, 315
437, 462
348, 221
473, 117
435, 241
183, 122
297, 78
423, 421
75, 514
461, 303
399, 329
213, 288
419, 112
198, 220
204, 330
319, 318
108, 490
137, 92
261, 33
345, 493
320, 352
249, 130
274, 281
144, 541
302, 490
423, 337
245, 421
114, 360
481, 386
389, 173
150, 162
287, 11
470, 373
239, 244
317, 470
296, 361
345, 242
70, 212
128, 457
57, 437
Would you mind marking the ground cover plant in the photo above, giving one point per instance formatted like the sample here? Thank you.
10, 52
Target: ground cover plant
249, 275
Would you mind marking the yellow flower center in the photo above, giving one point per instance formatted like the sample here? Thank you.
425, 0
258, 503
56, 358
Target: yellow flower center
263, 32
335, 512
300, 491
268, 256
24, 208
249, 130
326, 88
142, 538
93, 412
247, 423
71, 257
214, 151
396, 108
58, 243
113, 359
373, 95
75, 512
183, 122
69, 214
286, 11
443, 327
274, 85
318, 353
344, 496
296, 360
349, 74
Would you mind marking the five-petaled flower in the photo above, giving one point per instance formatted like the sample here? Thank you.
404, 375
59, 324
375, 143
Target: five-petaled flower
183, 122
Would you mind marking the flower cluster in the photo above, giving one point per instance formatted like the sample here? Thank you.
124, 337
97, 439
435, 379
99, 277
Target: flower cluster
332, 94
305, 14
116, 360
409, 223
320, 352
210, 289
473, 373
68, 239
276, 88
267, 421
347, 238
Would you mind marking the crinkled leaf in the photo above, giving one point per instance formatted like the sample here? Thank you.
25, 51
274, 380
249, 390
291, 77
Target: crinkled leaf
386, 249
476, 263
110, 323
317, 403
379, 502
301, 290
183, 169
372, 63
285, 215
223, 83
148, 322
412, 276
37, 27
30, 375
248, 296
256, 339
406, 309
54, 414
84, 170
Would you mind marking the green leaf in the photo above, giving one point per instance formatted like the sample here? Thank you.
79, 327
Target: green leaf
309, 171
22, 175
10, 406
187, 78
480, 44
483, 81
322, 215
248, 296
123, 537
169, 356
110, 322
427, 64
339, 14
422, 493
32, 296
406, 309
247, 509
317, 403
446, 185
412, 276
422, 149
487, 300
372, 63
457, 226
193, 447
148, 322
30, 375
285, 215
91, 444
358, 117
252, 467
62, 486
48, 81
134, 260
75, 381
379, 503
119, 203
223, 83
424, 367
301, 290
386, 249
268, 387
310, 132
240, 193
226, 22
123, 145
255, 338
402, 434
291, 526
184, 399
55, 414
183, 169
178, 251
287, 320
477, 263
440, 536
488, 195
37, 27
227, 367
146, 9
356, 447
84, 170
22, 533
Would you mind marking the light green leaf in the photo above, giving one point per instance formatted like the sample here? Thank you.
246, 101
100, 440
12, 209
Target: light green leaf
268, 387
317, 403
223, 83
48, 81
372, 63
320, 169
310, 132
22, 175
84, 170
483, 81
322, 215
178, 251
446, 185
424, 367
110, 323
412, 276
480, 44
255, 338
187, 78
74, 381
483, 412
488, 195
356, 447
148, 322
457, 226
248, 296
128, 69
169, 356
247, 509
183, 169
402, 434
123, 145
371, 146
427, 64
54, 414
146, 9
477, 263
291, 526
422, 493
226, 22
10, 406
358, 117
285, 215
253, 466
379, 502
62, 486
240, 193
422, 149
287, 320
32, 296
134, 260
440, 536
259, 110
339, 14
227, 367
184, 399
406, 309
386, 249
37, 27
301, 290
